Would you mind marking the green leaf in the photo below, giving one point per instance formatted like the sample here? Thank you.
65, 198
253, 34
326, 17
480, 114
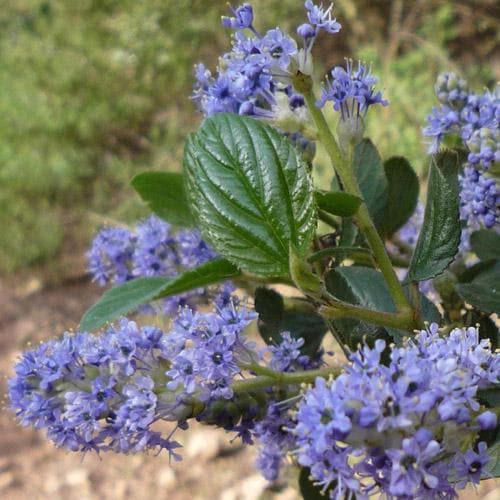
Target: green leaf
360, 286
338, 202
490, 397
296, 316
485, 244
308, 489
476, 270
129, 296
372, 181
366, 287
493, 467
165, 196
483, 292
402, 194
439, 237
250, 192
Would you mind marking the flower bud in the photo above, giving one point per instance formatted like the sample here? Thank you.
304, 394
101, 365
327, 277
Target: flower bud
350, 132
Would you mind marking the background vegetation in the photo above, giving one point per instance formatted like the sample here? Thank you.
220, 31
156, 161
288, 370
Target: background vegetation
94, 91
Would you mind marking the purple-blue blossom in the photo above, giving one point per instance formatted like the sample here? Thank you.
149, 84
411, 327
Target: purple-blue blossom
274, 439
243, 18
98, 392
351, 90
387, 428
479, 199
244, 82
151, 248
319, 18
110, 258
105, 392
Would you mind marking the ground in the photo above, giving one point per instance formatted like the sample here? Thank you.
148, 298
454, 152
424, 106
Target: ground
31, 468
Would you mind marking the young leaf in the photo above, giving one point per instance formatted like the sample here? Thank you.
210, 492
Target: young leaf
250, 191
439, 237
129, 296
402, 194
337, 202
372, 181
164, 194
485, 244
483, 292
296, 316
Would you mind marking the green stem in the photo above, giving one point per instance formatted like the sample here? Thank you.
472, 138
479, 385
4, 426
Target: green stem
281, 379
328, 219
303, 83
338, 309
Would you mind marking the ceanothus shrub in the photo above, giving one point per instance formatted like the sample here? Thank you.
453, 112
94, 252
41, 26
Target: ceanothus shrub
408, 293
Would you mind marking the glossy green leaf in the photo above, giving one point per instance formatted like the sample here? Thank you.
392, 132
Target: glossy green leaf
372, 181
439, 237
129, 296
483, 292
297, 316
165, 196
337, 202
250, 192
402, 194
485, 244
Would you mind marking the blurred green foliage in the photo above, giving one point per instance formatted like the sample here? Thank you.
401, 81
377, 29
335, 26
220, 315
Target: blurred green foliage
92, 91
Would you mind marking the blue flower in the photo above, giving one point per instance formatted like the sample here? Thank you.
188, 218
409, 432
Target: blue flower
97, 392
351, 91
243, 18
387, 427
470, 465
321, 18
479, 199
110, 256
274, 439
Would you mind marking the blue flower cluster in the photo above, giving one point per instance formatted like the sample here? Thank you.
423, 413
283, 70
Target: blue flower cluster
244, 82
98, 392
253, 79
152, 248
105, 392
351, 90
406, 429
475, 119
275, 440
206, 351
